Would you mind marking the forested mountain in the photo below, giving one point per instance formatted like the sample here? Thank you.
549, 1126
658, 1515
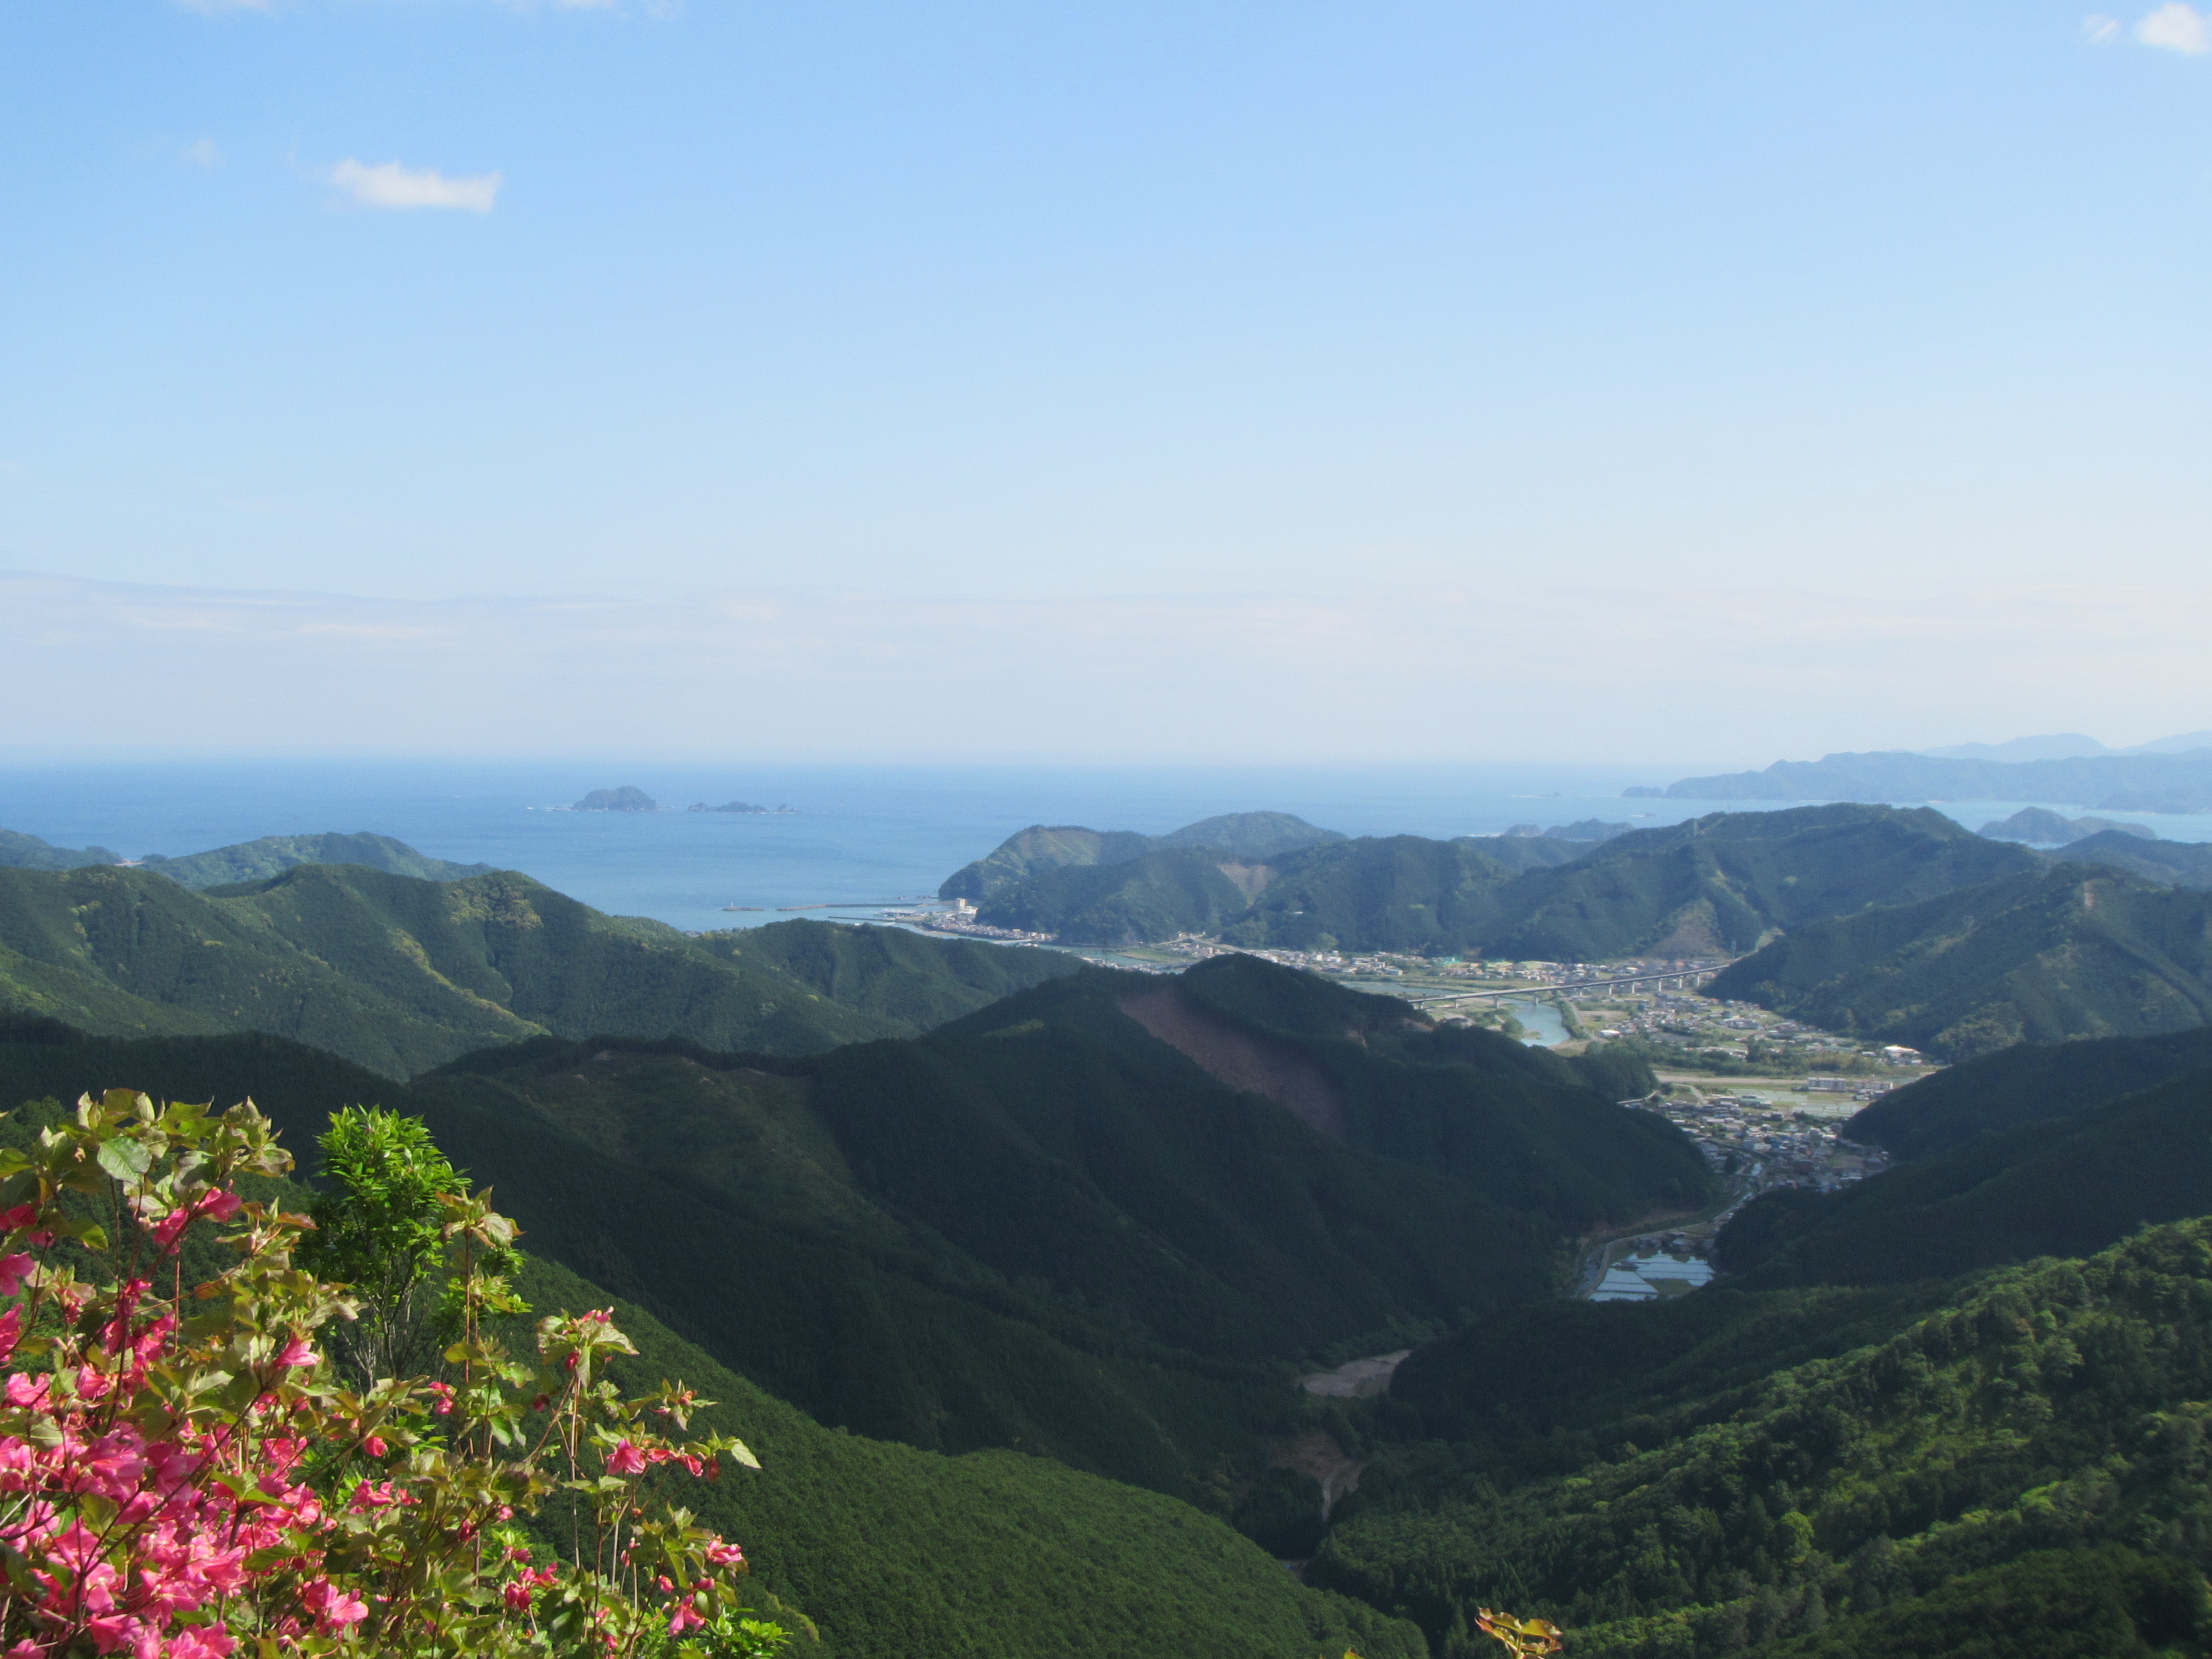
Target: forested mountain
1040, 849
2118, 783
2023, 1471
910, 982
2028, 1083
2032, 1151
1718, 884
1043, 1226
400, 974
2035, 958
257, 860
2177, 863
897, 1553
1155, 895
2067, 1186
20, 852
1250, 835
252, 860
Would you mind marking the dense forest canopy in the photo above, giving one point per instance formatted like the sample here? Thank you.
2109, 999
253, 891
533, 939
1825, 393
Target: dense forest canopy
401, 973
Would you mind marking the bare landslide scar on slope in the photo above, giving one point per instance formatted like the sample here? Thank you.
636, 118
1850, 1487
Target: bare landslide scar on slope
1236, 1057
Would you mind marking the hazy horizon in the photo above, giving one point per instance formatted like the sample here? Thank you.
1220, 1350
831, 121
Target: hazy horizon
1409, 383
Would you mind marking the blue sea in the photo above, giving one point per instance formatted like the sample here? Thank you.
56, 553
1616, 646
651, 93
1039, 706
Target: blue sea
856, 835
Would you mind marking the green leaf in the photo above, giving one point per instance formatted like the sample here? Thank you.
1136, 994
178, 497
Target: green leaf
126, 1160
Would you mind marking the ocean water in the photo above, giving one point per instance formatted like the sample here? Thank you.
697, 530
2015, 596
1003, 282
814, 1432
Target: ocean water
856, 835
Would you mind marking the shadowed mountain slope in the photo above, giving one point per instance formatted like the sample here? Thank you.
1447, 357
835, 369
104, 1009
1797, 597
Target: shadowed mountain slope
2027, 1084
2062, 1187
1038, 1226
895, 1553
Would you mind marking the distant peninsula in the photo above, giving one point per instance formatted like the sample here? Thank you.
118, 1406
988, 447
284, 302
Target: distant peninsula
2161, 782
734, 806
628, 798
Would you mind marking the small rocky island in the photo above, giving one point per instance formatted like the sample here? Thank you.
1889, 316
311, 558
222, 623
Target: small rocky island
624, 799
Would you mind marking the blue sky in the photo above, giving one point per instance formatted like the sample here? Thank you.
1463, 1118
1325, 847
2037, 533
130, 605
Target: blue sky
1844, 368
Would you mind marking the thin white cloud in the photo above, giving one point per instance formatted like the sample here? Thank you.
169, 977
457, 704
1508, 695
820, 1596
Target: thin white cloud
2101, 30
2177, 27
201, 153
388, 184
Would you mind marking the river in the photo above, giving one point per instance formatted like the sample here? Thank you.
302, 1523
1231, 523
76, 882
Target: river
1540, 1021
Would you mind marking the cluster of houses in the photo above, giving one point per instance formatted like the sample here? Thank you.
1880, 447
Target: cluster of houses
1744, 1134
961, 919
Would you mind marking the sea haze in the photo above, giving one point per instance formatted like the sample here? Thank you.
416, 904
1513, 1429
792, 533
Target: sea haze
856, 834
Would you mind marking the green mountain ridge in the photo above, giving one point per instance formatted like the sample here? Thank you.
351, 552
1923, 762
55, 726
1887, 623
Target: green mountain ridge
1717, 885
251, 860
1041, 849
401, 975
2172, 863
2030, 1083
259, 860
2035, 958
2065, 1187
20, 852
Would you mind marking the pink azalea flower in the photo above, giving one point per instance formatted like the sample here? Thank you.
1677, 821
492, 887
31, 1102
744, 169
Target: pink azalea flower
220, 1205
333, 1608
12, 1269
625, 1459
200, 1642
114, 1632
